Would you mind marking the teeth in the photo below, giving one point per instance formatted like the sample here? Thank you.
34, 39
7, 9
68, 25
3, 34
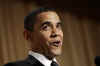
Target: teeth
56, 43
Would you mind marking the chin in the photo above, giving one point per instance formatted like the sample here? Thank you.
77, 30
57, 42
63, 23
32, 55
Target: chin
53, 53
56, 52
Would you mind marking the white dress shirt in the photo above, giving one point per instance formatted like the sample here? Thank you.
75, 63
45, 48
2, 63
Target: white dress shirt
41, 58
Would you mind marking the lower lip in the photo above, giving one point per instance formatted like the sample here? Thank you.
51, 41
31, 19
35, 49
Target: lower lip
57, 45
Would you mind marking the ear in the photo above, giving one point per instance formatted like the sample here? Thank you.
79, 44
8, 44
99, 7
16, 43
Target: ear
27, 35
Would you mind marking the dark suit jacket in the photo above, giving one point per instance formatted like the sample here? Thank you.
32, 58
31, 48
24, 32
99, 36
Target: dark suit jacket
30, 61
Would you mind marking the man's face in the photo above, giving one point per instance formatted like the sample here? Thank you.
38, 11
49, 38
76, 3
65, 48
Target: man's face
48, 34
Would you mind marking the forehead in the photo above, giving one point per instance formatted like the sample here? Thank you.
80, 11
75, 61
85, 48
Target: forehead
48, 16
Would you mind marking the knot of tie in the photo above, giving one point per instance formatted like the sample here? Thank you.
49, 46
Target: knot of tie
54, 63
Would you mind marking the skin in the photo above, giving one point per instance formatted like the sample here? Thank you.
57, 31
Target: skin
47, 30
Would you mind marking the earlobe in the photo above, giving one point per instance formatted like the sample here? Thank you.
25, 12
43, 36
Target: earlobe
27, 34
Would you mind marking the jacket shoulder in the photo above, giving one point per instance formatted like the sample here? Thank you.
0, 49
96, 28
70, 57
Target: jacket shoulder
18, 63
10, 64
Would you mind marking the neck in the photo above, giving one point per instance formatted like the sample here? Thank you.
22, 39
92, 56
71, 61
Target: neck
49, 56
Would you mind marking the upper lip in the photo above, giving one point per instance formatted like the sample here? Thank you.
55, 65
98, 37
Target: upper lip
56, 42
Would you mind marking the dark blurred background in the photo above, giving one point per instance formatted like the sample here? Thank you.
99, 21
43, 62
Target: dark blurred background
81, 27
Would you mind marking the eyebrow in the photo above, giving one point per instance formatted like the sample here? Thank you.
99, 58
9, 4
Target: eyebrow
47, 22
60, 23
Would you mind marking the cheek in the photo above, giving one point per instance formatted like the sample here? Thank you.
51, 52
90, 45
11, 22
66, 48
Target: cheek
61, 34
45, 36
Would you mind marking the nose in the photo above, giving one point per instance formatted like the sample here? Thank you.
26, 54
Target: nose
54, 33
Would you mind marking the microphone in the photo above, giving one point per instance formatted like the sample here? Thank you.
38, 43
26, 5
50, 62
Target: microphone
97, 60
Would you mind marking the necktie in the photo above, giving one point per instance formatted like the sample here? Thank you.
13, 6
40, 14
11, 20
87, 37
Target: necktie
54, 63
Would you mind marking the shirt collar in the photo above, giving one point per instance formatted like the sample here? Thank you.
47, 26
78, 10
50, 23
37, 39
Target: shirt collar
41, 58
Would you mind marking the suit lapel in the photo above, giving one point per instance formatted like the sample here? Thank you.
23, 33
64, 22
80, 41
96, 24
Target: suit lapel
33, 61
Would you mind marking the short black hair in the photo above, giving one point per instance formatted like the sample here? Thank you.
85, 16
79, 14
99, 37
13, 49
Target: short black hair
29, 20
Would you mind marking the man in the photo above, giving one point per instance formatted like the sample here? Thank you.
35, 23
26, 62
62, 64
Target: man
97, 60
43, 31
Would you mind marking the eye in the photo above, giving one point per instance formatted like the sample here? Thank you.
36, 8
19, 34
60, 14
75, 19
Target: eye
58, 25
45, 27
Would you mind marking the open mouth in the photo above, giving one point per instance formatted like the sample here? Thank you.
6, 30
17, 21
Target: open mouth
56, 43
